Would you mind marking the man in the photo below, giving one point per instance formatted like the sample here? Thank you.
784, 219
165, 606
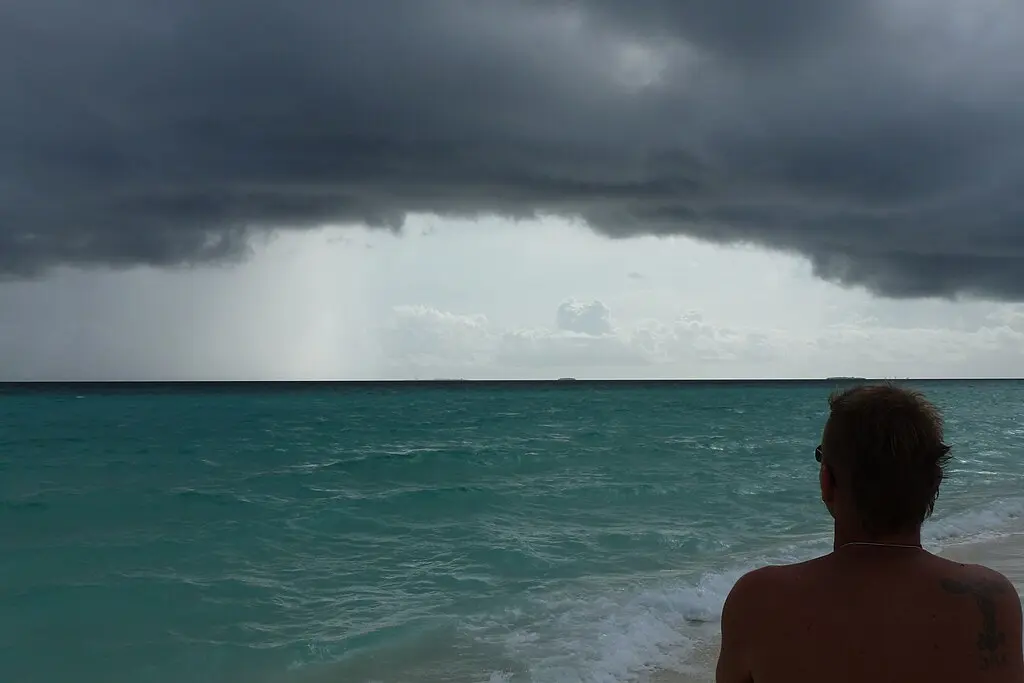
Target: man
879, 607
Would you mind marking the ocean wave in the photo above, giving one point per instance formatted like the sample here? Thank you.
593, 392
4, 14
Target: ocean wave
618, 635
990, 520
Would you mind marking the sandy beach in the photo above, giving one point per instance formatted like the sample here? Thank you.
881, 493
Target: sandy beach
1004, 553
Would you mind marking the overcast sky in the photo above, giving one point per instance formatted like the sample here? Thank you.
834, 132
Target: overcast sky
279, 189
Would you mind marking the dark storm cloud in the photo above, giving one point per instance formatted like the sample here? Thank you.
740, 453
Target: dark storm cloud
882, 140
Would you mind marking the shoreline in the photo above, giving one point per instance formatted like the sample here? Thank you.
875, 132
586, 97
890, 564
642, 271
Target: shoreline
1004, 553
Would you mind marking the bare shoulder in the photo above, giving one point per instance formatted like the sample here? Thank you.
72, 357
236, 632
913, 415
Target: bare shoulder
775, 577
978, 581
754, 598
756, 589
750, 597
997, 604
760, 579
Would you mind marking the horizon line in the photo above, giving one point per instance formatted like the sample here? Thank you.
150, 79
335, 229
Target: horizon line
539, 380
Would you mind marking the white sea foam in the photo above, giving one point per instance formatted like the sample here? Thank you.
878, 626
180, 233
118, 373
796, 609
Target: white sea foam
989, 521
612, 638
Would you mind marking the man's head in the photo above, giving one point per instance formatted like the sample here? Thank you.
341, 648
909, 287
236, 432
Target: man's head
883, 458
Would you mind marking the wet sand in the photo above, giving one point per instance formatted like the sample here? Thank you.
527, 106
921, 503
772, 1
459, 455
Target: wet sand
1004, 554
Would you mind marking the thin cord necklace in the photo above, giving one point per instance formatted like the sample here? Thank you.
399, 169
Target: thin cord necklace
884, 545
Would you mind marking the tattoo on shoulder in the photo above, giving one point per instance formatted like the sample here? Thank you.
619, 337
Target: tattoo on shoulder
991, 641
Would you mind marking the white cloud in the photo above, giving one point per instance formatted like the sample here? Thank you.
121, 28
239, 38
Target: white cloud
439, 343
538, 351
420, 339
1011, 317
690, 337
592, 318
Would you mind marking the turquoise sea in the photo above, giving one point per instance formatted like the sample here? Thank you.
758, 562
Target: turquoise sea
546, 532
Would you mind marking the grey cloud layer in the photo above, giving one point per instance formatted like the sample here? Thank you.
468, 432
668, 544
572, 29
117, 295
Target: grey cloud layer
883, 140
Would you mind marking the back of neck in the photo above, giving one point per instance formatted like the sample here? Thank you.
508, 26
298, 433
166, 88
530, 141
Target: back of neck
859, 537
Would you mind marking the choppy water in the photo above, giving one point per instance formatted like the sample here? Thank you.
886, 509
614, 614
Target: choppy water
549, 533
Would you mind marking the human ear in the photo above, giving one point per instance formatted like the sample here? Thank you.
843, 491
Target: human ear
827, 483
